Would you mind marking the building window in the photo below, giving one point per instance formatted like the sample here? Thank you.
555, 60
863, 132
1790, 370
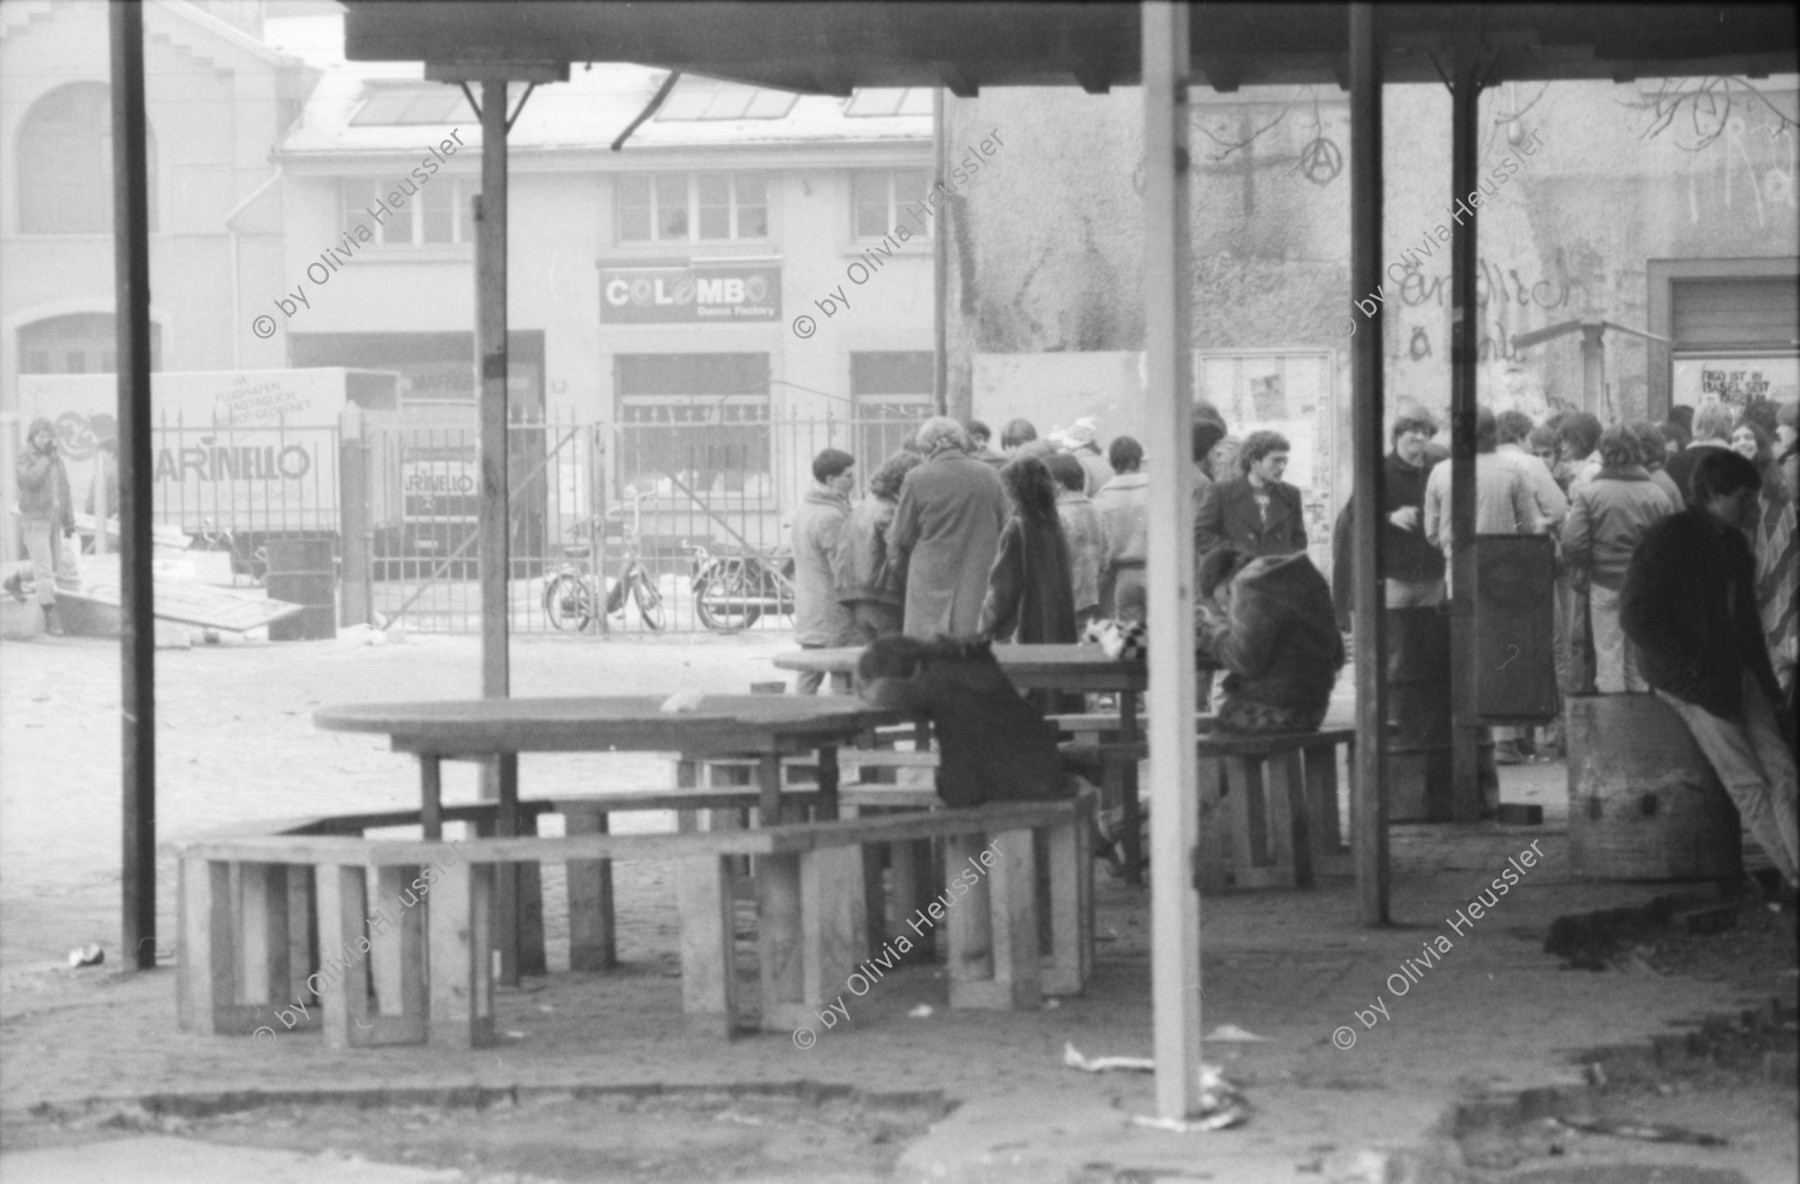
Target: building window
65, 163
697, 98
881, 196
79, 343
870, 102
692, 207
437, 215
694, 425
892, 393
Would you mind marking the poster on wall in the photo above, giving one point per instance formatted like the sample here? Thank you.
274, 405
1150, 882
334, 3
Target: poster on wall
1735, 379
1289, 393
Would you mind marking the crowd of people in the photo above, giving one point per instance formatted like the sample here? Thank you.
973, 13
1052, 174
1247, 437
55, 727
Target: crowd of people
1033, 541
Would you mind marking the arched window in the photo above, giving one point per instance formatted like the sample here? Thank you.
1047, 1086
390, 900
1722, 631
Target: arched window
79, 343
65, 163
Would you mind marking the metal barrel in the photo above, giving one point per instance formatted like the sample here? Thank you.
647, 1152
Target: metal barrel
1644, 802
1418, 678
304, 572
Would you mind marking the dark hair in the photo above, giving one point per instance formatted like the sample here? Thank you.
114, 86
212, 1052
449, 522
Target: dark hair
1512, 427
1407, 422
1617, 447
1067, 471
1209, 428
1682, 416
1676, 434
1017, 432
1031, 489
1761, 411
1124, 454
1258, 445
1720, 472
1218, 565
886, 482
830, 463
1652, 448
1543, 438
976, 428
1580, 433
1765, 452
1487, 430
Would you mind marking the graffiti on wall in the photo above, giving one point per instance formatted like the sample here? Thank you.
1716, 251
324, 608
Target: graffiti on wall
1750, 166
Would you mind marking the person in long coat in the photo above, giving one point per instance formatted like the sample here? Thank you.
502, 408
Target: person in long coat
1030, 597
874, 593
945, 534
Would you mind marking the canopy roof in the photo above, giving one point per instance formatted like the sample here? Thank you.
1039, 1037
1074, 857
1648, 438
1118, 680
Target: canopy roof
832, 48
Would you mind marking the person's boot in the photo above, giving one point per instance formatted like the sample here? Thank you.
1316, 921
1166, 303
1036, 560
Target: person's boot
52, 626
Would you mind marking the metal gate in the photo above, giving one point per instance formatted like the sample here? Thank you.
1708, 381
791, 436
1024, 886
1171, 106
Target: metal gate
676, 520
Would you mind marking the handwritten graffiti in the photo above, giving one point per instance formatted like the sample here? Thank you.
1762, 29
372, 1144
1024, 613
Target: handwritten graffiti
1492, 287
79, 435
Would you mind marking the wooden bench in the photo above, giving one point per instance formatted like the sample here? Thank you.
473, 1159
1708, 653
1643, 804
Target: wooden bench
431, 977
1272, 801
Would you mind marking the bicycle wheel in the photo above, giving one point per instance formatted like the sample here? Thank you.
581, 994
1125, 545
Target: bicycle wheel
721, 603
569, 602
649, 600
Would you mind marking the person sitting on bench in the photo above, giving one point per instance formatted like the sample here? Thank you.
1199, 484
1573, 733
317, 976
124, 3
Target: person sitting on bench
1269, 622
993, 745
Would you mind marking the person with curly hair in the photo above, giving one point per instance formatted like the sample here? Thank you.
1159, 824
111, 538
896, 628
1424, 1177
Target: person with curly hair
1030, 596
1268, 622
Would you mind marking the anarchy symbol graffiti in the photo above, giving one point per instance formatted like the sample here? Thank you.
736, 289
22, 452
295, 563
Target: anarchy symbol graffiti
1321, 161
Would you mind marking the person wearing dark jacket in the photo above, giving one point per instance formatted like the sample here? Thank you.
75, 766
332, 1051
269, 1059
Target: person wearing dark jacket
1030, 596
1257, 512
1414, 568
874, 593
1689, 605
1268, 621
993, 745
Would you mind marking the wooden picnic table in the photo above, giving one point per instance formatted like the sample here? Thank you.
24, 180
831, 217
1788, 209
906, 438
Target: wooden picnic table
763, 727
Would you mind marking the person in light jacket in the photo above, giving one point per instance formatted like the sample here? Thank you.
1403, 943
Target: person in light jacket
1608, 517
946, 533
1083, 532
46, 517
874, 593
1124, 506
819, 620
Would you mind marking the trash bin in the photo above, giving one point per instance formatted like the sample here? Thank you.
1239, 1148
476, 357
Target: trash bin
1418, 678
304, 572
1644, 803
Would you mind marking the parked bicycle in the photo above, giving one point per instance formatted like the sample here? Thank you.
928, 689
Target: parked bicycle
735, 586
571, 595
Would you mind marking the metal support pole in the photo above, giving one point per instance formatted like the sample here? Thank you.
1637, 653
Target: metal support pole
1168, 270
940, 276
1465, 323
137, 645
1368, 804
499, 781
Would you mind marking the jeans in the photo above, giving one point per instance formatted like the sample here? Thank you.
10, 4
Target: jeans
1615, 658
51, 559
1757, 768
1403, 594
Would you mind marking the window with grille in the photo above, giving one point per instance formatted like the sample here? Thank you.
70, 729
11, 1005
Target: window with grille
694, 425
892, 392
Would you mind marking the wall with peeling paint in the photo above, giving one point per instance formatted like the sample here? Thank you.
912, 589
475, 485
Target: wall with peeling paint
1047, 253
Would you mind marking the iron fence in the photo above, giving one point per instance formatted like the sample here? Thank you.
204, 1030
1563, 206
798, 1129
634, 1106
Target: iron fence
698, 499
